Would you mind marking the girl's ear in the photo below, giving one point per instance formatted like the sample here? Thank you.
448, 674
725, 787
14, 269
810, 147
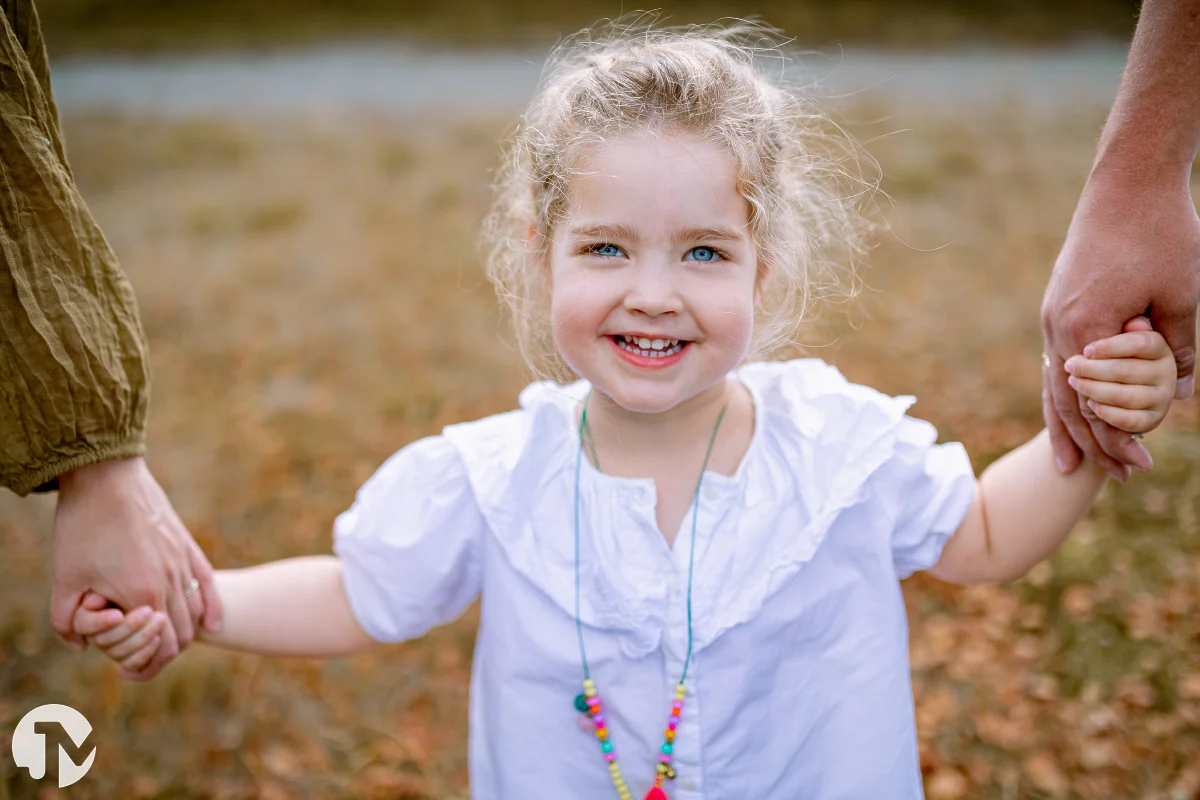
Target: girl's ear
764, 271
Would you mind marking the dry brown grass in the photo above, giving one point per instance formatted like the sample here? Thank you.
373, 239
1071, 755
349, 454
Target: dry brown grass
314, 301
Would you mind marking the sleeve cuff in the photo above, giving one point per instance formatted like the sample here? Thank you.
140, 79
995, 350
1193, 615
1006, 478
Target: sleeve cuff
46, 479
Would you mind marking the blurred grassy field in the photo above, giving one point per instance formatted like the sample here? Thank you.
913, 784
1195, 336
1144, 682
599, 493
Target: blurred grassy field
314, 300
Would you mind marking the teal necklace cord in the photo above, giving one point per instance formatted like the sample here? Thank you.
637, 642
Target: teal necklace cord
584, 430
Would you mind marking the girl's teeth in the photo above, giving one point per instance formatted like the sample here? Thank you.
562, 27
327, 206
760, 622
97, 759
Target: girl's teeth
650, 344
651, 348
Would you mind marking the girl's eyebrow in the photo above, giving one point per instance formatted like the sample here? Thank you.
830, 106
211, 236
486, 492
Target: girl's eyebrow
600, 230
717, 233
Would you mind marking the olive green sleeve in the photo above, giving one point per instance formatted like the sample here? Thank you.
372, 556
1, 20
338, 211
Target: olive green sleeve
74, 380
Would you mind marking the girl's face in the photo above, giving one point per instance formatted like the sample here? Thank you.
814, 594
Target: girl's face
654, 270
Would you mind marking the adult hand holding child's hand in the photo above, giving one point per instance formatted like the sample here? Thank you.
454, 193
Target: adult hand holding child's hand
116, 534
1133, 246
1126, 254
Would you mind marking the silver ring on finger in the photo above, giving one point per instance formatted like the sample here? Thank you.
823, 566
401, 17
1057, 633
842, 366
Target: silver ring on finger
191, 588
1045, 361
1137, 436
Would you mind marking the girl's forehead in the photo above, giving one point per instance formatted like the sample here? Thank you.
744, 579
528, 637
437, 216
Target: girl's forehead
657, 180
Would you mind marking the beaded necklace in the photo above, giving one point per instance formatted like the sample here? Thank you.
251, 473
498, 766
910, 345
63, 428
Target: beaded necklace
589, 701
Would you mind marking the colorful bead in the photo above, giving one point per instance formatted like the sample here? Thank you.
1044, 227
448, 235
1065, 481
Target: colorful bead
589, 705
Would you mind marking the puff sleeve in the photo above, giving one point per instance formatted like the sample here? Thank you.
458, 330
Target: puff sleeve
410, 543
934, 486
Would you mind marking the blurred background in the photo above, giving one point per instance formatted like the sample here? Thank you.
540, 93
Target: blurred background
295, 189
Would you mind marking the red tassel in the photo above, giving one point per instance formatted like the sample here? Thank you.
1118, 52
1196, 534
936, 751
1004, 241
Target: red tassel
655, 793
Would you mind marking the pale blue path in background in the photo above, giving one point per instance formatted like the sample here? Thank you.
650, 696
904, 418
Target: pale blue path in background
397, 79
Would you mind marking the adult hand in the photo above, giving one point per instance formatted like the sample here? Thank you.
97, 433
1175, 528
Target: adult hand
115, 533
1132, 249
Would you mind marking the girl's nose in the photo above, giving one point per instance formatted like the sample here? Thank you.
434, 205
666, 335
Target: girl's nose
654, 291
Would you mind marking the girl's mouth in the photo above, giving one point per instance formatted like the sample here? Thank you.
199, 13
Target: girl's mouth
649, 348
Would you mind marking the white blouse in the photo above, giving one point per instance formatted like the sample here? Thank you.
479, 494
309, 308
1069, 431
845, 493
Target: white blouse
799, 682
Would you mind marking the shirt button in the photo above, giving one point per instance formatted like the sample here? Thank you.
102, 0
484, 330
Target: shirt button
711, 493
689, 784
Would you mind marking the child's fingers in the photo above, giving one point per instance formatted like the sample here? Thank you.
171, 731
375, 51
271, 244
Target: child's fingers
1121, 395
132, 622
90, 623
1138, 323
1134, 371
134, 663
1138, 344
138, 639
1124, 418
94, 602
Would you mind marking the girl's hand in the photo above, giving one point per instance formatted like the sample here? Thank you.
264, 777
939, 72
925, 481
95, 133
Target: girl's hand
131, 639
1128, 379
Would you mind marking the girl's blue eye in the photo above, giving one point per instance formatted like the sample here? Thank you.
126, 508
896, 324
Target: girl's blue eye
701, 254
606, 250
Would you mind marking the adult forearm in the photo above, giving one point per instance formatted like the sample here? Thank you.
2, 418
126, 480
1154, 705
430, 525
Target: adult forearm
295, 607
73, 369
1153, 131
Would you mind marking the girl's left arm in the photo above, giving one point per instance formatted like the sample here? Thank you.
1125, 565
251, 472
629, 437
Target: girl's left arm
1024, 507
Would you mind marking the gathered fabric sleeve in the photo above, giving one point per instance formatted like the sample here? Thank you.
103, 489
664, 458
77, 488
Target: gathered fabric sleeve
410, 545
933, 486
74, 379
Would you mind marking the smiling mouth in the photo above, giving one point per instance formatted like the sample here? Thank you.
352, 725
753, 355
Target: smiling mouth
649, 348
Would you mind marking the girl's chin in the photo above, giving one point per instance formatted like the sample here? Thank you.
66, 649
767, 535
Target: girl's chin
650, 399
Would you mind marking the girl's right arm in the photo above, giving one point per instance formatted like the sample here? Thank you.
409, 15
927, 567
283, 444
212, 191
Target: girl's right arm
296, 607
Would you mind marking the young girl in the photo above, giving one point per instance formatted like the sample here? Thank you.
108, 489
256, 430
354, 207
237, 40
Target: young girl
689, 564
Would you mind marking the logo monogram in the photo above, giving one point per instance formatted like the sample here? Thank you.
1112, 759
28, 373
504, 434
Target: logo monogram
40, 730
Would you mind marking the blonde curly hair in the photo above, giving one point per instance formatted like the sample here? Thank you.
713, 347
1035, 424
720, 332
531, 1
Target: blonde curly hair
801, 175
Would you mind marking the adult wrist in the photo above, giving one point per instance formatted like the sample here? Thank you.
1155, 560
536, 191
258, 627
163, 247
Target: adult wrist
1142, 164
98, 473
